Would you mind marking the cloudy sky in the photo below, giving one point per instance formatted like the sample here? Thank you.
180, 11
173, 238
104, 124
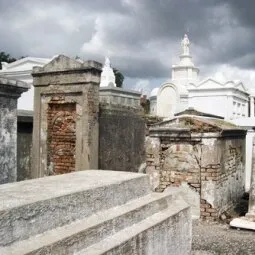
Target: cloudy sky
141, 37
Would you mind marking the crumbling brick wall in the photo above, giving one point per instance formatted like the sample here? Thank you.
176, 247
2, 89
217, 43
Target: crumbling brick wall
65, 127
213, 167
61, 137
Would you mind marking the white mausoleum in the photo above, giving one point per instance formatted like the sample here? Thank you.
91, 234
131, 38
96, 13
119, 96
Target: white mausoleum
21, 70
229, 99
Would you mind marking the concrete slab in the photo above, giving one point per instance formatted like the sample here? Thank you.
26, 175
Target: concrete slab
26, 192
92, 212
243, 223
159, 231
32, 207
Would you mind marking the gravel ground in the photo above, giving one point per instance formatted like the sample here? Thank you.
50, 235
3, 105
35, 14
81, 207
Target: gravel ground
218, 238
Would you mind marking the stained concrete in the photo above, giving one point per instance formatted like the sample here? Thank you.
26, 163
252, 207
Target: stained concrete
121, 138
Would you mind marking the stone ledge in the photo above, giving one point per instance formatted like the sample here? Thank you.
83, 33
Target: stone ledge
243, 223
12, 88
12, 82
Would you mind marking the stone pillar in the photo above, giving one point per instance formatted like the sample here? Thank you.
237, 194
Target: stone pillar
248, 158
66, 106
251, 211
10, 91
251, 106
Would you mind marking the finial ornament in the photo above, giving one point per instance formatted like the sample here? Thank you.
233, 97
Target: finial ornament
185, 45
107, 75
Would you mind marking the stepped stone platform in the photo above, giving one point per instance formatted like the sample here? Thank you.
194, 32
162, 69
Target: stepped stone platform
92, 212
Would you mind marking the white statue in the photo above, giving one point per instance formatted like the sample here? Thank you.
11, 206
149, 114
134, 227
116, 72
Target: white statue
185, 45
107, 62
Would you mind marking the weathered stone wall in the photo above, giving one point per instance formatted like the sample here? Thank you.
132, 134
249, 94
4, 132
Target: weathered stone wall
222, 175
8, 138
121, 138
213, 167
126, 154
66, 107
10, 91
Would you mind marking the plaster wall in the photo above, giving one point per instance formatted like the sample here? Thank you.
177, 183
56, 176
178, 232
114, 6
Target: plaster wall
210, 104
222, 173
167, 100
226, 103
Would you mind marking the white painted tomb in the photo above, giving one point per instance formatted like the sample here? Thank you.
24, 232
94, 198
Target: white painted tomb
227, 99
21, 70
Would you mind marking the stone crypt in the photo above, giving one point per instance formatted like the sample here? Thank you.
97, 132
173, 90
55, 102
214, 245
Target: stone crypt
10, 91
203, 156
66, 106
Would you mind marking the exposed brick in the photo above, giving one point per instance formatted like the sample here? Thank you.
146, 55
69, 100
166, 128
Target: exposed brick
205, 214
211, 210
61, 136
205, 206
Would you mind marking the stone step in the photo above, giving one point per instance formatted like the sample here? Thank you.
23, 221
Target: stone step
32, 207
158, 234
83, 233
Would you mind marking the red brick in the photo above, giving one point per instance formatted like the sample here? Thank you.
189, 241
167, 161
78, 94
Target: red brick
211, 210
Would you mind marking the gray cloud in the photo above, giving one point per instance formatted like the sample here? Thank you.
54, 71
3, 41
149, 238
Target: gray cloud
141, 37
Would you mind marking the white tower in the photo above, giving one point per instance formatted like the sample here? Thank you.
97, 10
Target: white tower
107, 75
185, 72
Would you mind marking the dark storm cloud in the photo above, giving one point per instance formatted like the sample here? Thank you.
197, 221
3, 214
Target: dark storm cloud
141, 37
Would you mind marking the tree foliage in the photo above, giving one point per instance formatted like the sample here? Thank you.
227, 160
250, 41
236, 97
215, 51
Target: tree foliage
119, 78
5, 57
